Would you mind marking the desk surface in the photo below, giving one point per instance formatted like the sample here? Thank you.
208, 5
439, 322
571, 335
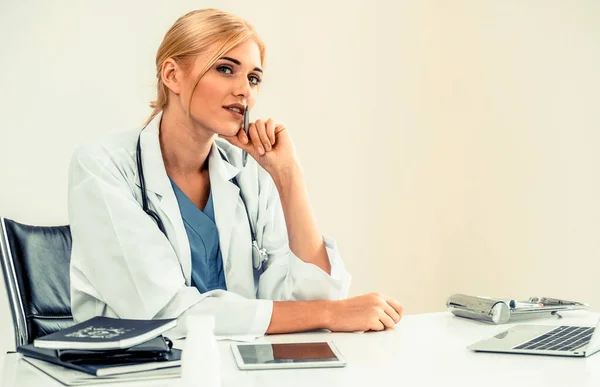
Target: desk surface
423, 350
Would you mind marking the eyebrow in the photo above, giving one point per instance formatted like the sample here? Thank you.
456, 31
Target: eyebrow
237, 62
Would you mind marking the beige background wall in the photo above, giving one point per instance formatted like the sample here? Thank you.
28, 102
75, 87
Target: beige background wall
449, 146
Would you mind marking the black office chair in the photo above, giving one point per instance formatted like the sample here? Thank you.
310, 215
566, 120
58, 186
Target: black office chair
35, 263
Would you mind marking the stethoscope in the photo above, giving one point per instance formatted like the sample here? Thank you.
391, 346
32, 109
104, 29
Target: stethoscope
259, 255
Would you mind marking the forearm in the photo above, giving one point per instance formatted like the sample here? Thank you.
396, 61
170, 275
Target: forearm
306, 242
298, 316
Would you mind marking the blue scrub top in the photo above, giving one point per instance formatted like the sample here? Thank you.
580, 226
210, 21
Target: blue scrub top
201, 229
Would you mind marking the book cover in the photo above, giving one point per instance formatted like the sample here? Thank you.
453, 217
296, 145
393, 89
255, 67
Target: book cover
105, 333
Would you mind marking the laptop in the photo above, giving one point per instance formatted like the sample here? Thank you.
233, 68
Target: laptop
574, 341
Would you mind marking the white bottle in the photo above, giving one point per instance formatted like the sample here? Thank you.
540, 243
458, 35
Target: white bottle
200, 360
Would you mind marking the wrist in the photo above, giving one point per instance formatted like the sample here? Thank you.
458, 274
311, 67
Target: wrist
327, 313
286, 174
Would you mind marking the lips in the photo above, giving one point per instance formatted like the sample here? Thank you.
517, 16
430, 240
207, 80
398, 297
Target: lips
236, 108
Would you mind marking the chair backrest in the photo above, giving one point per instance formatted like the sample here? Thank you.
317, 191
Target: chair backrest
35, 263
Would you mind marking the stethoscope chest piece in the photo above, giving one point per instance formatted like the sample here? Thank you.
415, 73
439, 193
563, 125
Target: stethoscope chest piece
259, 256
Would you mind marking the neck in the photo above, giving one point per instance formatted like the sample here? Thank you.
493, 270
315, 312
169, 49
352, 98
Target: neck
184, 147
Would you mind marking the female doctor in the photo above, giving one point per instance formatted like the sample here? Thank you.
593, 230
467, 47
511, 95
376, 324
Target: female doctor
169, 221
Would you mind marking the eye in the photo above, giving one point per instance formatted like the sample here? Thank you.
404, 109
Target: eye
254, 80
225, 69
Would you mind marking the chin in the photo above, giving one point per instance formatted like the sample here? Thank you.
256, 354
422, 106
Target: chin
228, 130
219, 127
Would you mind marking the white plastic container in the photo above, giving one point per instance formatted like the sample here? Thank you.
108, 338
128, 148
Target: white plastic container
200, 360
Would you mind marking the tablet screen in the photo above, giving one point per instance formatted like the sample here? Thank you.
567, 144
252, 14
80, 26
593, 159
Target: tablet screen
287, 353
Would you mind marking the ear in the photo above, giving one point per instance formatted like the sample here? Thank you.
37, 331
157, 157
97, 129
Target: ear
171, 75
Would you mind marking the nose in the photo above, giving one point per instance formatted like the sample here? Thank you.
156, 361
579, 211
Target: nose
242, 87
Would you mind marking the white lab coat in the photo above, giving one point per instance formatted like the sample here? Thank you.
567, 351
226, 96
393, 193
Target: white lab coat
123, 266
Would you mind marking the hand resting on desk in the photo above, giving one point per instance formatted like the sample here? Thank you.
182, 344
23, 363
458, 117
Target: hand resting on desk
369, 312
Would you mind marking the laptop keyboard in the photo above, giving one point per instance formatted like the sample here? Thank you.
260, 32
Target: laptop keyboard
563, 338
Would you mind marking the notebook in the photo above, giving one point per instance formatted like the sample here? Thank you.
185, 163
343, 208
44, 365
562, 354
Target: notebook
105, 333
70, 377
103, 367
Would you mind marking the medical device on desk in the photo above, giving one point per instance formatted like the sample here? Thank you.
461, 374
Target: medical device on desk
500, 311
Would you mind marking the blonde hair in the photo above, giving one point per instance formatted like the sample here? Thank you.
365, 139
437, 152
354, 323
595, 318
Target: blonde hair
209, 32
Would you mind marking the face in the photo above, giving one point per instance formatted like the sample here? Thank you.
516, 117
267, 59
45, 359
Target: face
231, 84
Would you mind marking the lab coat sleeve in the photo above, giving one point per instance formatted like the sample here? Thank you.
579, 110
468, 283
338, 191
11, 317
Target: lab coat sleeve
287, 277
123, 266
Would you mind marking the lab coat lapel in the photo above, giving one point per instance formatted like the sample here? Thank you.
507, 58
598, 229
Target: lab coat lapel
232, 222
157, 182
225, 199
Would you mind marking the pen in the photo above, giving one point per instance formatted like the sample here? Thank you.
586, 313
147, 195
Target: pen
245, 127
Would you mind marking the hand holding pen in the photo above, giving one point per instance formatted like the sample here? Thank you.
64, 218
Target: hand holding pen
267, 142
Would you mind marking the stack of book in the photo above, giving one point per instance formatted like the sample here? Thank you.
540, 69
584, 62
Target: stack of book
103, 349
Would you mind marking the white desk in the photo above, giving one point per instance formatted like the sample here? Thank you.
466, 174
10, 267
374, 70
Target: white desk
423, 350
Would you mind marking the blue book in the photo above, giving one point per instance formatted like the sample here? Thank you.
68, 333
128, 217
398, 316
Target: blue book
105, 333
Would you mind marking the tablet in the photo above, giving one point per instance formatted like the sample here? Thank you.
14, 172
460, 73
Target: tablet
262, 356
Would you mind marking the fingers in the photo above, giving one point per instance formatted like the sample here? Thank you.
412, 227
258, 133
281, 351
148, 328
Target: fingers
376, 325
271, 130
398, 307
392, 313
262, 128
256, 143
390, 310
263, 135
241, 135
386, 320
